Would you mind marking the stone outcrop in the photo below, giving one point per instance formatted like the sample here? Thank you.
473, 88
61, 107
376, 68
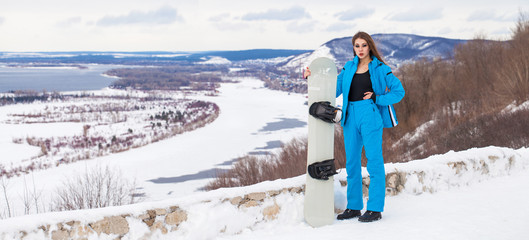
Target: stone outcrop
163, 220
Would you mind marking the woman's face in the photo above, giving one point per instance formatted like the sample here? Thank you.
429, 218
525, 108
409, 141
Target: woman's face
361, 48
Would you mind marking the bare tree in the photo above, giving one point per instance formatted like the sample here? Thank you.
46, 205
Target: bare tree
4, 182
514, 72
96, 188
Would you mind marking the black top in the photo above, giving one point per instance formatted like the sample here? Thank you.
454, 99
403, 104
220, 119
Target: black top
361, 84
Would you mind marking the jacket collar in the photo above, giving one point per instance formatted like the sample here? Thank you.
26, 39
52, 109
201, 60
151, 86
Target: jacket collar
374, 61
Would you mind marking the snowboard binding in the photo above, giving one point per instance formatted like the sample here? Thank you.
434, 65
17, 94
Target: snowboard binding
322, 170
324, 111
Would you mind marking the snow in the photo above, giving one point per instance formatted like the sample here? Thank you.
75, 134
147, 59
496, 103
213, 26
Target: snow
216, 60
246, 108
476, 205
473, 194
304, 60
513, 107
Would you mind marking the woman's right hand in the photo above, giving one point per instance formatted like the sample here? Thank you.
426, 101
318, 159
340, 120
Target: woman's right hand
306, 73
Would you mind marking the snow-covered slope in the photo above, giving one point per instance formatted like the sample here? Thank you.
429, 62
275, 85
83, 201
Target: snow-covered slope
473, 194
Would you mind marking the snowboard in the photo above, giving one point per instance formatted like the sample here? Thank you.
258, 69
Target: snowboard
319, 194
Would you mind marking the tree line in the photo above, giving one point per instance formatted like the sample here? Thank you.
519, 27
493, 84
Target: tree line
197, 77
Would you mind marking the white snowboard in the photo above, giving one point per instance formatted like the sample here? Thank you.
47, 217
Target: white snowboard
319, 194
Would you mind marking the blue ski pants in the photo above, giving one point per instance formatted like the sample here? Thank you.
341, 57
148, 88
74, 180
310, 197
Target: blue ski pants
363, 127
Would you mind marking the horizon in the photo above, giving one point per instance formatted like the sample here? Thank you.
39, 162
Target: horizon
233, 25
221, 50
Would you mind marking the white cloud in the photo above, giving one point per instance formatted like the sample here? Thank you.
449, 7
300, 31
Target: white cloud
300, 27
69, 22
339, 27
491, 15
231, 26
417, 14
444, 31
219, 17
1, 20
163, 15
292, 13
355, 13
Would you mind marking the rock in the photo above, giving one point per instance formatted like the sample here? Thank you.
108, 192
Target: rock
296, 190
175, 218
251, 203
60, 235
160, 211
80, 232
151, 213
149, 221
72, 223
273, 193
460, 167
111, 225
160, 226
270, 212
236, 200
365, 186
44, 228
173, 208
395, 182
258, 196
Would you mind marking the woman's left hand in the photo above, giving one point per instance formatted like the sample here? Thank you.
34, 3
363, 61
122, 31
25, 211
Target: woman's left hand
367, 95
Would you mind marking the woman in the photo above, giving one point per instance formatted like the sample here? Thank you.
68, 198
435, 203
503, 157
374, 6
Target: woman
369, 89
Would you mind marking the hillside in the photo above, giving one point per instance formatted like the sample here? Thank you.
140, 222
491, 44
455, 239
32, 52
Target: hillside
395, 48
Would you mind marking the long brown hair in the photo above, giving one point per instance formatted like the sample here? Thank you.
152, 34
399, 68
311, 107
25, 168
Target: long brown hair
373, 51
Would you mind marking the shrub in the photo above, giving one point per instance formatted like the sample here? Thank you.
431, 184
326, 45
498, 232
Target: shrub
291, 161
96, 188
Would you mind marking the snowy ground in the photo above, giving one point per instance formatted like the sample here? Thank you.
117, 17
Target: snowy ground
494, 209
476, 204
252, 119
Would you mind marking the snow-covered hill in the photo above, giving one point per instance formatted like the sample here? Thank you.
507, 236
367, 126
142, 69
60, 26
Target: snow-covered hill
395, 49
473, 194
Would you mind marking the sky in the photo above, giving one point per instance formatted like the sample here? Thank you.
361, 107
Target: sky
200, 25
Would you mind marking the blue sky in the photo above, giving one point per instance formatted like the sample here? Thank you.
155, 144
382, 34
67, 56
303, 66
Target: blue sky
187, 25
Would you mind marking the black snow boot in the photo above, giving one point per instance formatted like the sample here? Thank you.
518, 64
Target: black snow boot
348, 214
370, 216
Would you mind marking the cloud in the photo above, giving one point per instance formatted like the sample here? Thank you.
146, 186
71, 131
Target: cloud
292, 13
219, 17
354, 13
417, 14
339, 27
163, 15
491, 15
231, 26
301, 27
1, 20
69, 22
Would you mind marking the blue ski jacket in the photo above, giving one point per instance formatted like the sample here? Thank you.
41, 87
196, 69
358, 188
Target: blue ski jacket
387, 88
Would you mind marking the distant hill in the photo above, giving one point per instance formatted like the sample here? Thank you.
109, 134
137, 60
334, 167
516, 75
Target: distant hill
146, 58
395, 48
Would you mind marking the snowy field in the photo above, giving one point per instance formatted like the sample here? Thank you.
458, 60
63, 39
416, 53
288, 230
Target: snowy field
252, 119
